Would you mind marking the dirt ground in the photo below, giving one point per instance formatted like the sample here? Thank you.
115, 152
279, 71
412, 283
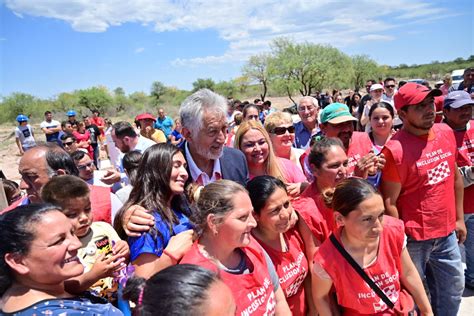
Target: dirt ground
9, 160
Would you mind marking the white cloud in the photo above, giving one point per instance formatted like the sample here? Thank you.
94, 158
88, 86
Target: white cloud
377, 37
247, 25
139, 50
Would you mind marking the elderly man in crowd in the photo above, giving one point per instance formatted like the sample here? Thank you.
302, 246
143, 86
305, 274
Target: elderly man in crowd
308, 109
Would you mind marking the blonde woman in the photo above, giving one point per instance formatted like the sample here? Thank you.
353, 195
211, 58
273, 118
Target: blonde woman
279, 126
253, 140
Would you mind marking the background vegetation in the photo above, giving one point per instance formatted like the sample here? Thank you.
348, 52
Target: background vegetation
289, 69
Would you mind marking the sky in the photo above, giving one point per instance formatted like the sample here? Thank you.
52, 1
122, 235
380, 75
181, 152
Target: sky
53, 46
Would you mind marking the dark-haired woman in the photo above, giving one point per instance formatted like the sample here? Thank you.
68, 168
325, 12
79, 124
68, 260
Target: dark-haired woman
160, 187
381, 116
183, 289
282, 242
377, 244
38, 253
225, 245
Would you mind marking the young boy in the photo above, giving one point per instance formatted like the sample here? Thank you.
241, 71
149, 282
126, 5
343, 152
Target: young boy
24, 137
103, 253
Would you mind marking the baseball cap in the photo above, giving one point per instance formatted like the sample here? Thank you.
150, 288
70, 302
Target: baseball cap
336, 113
457, 99
145, 116
376, 86
22, 118
71, 113
412, 93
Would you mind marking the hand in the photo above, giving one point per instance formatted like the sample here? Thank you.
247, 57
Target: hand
380, 162
180, 244
105, 267
121, 248
137, 220
111, 176
367, 165
461, 231
293, 189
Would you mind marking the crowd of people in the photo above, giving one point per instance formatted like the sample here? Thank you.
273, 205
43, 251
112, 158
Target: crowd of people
354, 206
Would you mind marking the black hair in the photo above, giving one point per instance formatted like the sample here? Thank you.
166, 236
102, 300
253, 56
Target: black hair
10, 187
96, 111
320, 148
269, 103
60, 189
68, 135
388, 79
17, 232
372, 81
249, 106
47, 112
383, 105
130, 162
78, 155
261, 188
123, 129
152, 188
348, 194
178, 290
57, 158
63, 123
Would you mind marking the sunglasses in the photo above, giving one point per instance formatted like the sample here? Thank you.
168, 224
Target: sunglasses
87, 165
391, 86
282, 130
67, 143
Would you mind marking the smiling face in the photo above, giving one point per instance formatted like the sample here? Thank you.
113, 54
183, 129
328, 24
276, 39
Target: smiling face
282, 142
308, 112
275, 216
234, 231
179, 175
79, 212
86, 168
208, 142
381, 121
333, 169
343, 131
52, 257
364, 224
255, 147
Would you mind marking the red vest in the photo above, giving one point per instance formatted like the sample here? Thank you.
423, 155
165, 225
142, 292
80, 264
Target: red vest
359, 146
327, 213
465, 143
101, 204
292, 268
309, 212
426, 168
253, 292
353, 293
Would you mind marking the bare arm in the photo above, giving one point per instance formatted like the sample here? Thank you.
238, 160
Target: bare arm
281, 307
321, 296
20, 148
461, 231
412, 282
390, 193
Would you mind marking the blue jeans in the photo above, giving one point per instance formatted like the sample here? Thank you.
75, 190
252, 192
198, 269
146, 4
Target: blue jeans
469, 246
438, 261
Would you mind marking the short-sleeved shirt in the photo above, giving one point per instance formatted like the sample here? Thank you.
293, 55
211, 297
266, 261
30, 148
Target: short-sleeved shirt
94, 133
25, 135
54, 136
165, 124
67, 306
156, 243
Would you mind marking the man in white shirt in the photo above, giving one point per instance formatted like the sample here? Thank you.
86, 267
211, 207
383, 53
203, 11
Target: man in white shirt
51, 128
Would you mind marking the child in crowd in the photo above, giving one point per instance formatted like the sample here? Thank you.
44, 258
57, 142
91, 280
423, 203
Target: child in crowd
103, 253
24, 136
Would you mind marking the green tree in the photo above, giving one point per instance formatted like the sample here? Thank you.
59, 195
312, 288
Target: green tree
225, 88
95, 98
157, 90
201, 83
22, 103
120, 99
365, 68
257, 69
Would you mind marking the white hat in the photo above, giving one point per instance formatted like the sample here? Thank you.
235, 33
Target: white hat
376, 86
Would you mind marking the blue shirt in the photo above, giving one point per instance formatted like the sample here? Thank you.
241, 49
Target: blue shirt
165, 124
147, 243
67, 306
302, 135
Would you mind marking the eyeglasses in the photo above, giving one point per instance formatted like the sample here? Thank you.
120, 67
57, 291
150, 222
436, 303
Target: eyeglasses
391, 86
87, 165
67, 143
282, 130
304, 109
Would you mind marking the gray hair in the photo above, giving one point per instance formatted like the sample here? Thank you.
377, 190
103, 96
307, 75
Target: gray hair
313, 101
193, 107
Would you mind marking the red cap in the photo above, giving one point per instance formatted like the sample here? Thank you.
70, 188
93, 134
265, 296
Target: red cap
412, 93
145, 116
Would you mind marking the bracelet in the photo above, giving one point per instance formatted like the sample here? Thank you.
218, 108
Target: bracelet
172, 257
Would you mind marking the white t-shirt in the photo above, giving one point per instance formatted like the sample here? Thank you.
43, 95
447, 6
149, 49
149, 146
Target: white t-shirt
25, 135
51, 137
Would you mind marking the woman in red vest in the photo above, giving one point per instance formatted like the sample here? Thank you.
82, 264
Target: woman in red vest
377, 246
282, 242
223, 223
328, 162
